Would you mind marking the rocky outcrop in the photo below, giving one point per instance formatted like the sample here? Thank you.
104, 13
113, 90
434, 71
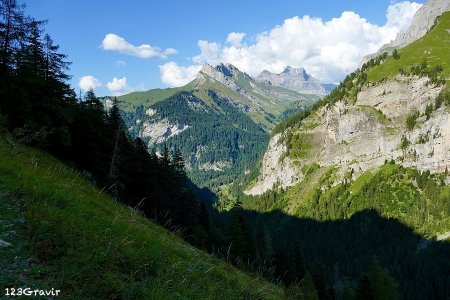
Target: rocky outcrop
277, 169
150, 112
161, 130
4, 244
215, 166
361, 136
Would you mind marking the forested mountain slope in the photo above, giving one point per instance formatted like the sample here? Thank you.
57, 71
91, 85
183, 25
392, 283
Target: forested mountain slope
377, 146
220, 121
263, 102
217, 141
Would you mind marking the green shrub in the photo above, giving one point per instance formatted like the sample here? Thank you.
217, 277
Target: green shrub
411, 120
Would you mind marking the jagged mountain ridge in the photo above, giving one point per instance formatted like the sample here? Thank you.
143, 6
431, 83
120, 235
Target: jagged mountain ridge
220, 121
261, 101
296, 79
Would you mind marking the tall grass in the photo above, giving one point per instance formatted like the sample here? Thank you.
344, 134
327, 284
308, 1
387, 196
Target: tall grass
94, 247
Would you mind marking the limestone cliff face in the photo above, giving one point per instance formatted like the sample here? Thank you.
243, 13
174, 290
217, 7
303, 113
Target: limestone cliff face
161, 130
276, 169
360, 136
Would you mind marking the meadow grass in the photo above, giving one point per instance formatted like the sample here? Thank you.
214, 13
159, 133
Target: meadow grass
433, 48
92, 247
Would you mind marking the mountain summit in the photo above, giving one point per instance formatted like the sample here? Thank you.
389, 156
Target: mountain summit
219, 121
296, 79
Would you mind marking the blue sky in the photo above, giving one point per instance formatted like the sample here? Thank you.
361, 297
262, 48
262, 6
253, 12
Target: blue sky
264, 35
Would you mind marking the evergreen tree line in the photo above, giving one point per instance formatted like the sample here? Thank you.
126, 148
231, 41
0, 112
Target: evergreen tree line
39, 108
350, 226
218, 134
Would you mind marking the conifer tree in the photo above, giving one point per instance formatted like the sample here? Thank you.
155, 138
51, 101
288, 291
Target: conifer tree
178, 161
239, 242
12, 30
205, 222
263, 245
116, 126
165, 156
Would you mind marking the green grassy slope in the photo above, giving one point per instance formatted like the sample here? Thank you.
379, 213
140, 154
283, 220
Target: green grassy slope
433, 47
68, 235
131, 101
272, 99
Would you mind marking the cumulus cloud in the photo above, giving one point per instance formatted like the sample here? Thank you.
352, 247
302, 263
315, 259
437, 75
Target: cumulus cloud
400, 15
89, 82
329, 50
113, 42
235, 38
174, 75
117, 86
208, 52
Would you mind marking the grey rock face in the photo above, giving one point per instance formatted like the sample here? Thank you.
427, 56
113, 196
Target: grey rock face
161, 130
275, 169
423, 20
295, 79
361, 136
259, 94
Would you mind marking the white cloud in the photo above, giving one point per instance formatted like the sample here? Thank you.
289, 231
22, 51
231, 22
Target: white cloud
113, 42
170, 51
121, 63
174, 75
208, 52
400, 15
89, 82
329, 50
235, 38
117, 86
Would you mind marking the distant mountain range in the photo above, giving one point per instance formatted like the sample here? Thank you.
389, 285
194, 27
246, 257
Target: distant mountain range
296, 79
222, 119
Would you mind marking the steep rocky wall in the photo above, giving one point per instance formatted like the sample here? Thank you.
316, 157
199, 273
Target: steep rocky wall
275, 169
161, 130
360, 136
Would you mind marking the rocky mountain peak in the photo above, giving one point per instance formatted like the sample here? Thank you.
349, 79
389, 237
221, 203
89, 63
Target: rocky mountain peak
296, 79
207, 69
226, 69
296, 72
223, 73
